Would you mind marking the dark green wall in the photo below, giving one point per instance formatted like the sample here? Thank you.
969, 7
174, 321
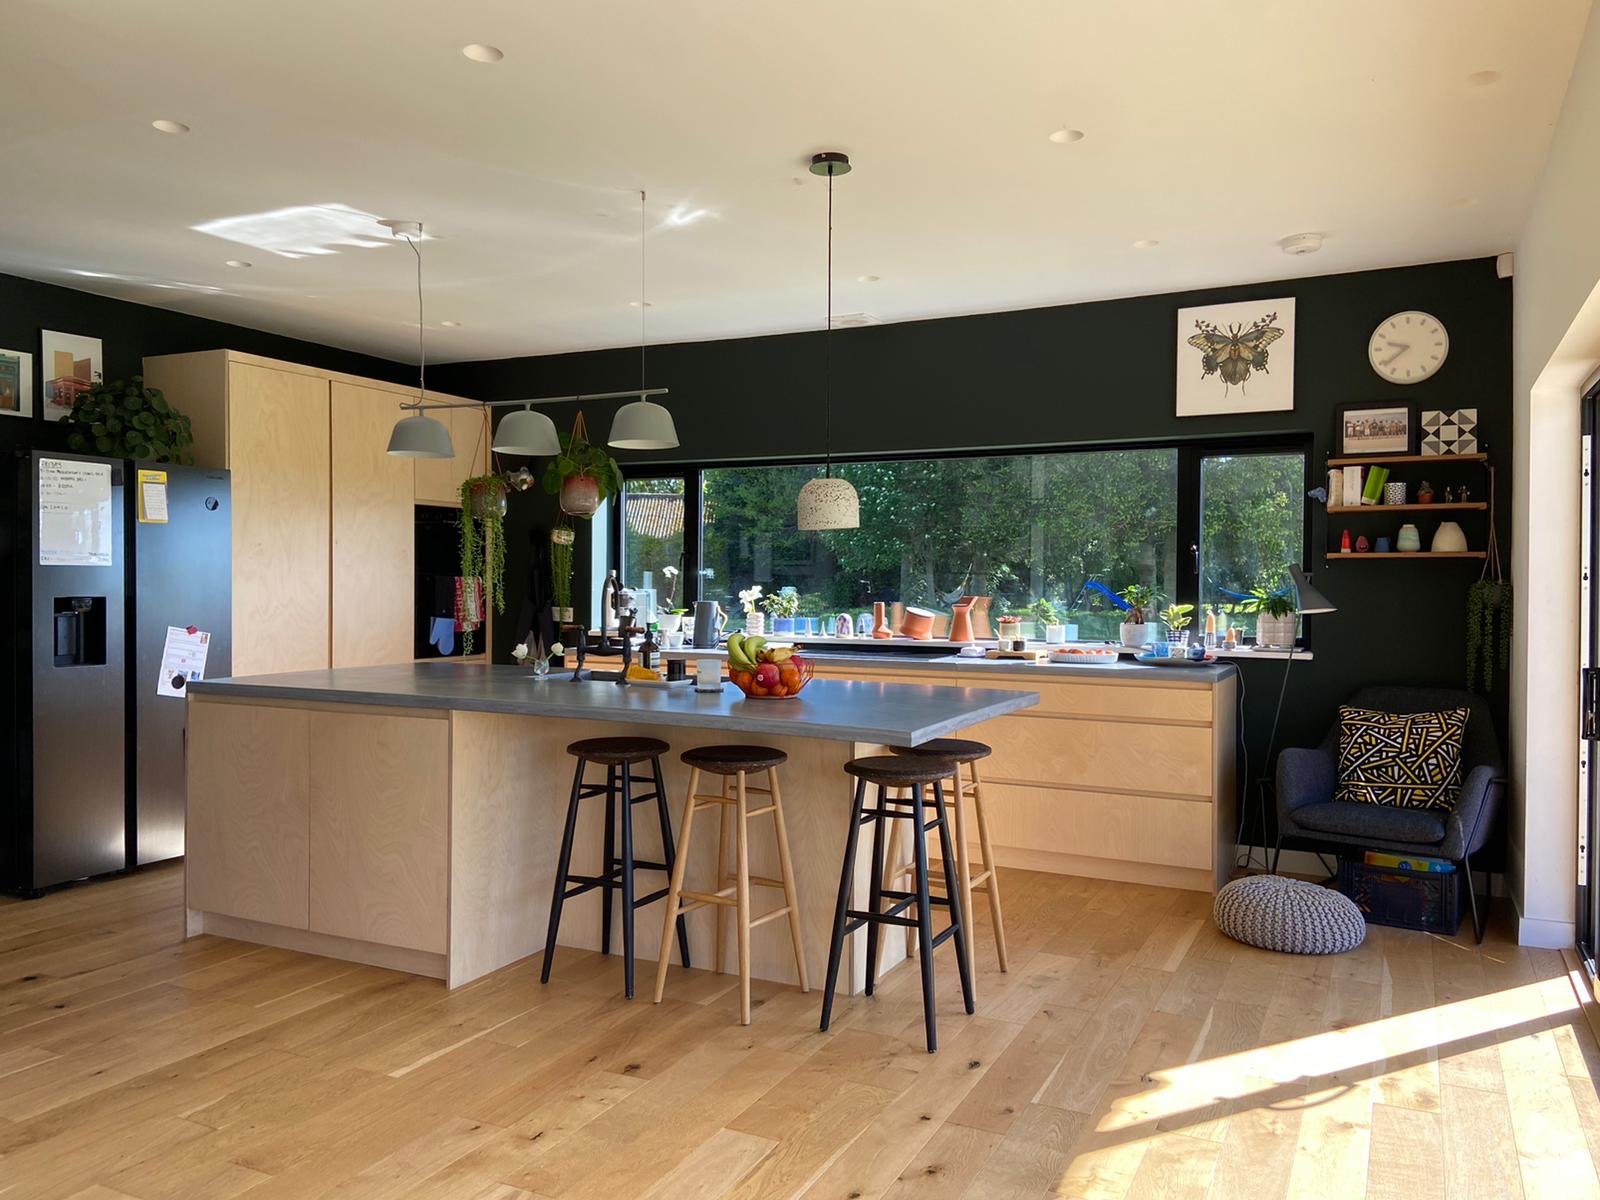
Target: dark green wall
1084, 374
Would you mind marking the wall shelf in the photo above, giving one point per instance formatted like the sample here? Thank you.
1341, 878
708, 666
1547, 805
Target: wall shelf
1336, 554
1383, 460
1453, 506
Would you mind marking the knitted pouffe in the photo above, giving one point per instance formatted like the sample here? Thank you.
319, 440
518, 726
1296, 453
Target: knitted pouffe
1288, 915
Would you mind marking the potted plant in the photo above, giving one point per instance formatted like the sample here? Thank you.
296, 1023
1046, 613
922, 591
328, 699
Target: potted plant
1047, 619
128, 420
783, 604
561, 540
1140, 599
1425, 493
483, 542
1177, 618
1276, 620
582, 475
755, 621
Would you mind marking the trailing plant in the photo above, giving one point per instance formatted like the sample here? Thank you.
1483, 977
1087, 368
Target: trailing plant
1489, 620
483, 541
129, 420
1044, 612
1177, 616
1140, 599
782, 603
578, 457
561, 566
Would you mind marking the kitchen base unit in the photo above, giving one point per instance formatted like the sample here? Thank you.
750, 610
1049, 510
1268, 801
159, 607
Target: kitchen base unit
410, 816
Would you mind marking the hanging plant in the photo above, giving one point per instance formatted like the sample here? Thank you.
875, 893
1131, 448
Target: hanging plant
1490, 615
582, 475
561, 540
483, 541
129, 420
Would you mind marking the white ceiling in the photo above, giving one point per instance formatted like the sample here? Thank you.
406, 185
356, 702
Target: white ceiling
1216, 127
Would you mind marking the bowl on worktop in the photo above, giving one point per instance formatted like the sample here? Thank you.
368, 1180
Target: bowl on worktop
773, 680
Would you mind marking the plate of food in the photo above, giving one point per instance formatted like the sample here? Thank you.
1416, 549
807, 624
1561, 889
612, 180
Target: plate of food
1085, 656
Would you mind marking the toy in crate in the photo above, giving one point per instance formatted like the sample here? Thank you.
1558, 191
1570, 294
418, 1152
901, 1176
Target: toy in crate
1406, 891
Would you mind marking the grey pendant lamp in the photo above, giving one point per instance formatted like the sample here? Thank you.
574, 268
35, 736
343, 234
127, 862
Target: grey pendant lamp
642, 424
829, 503
526, 432
419, 435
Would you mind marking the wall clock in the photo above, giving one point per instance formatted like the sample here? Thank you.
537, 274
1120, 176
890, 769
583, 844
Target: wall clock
1408, 347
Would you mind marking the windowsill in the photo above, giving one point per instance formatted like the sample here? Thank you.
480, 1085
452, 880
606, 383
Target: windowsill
1247, 652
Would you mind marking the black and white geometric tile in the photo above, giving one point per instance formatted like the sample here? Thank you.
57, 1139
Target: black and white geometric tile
1446, 432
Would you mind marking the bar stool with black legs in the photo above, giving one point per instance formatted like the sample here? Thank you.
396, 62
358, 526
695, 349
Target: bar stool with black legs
618, 755
969, 876
890, 773
732, 764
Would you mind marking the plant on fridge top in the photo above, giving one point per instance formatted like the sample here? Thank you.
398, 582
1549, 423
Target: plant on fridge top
128, 420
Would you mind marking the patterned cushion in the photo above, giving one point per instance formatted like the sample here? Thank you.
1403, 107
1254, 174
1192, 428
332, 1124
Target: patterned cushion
1288, 915
1404, 760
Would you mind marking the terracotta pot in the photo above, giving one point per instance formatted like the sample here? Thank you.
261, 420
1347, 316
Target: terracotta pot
580, 495
918, 624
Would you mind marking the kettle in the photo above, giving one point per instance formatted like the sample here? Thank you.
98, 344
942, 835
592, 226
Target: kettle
709, 621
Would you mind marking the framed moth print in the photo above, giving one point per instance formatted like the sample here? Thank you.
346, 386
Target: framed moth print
16, 383
1365, 430
1236, 358
71, 364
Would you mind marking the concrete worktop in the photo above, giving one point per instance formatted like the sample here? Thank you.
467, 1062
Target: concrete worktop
890, 660
835, 710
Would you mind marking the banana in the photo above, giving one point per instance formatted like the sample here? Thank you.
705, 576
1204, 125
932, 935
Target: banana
781, 655
738, 659
753, 648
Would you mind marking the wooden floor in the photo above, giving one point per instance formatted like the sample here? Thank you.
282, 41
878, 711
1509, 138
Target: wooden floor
1130, 1052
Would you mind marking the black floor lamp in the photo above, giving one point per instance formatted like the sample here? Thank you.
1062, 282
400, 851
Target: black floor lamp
1308, 602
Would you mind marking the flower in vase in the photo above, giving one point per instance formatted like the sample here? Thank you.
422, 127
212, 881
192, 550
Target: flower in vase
749, 596
521, 653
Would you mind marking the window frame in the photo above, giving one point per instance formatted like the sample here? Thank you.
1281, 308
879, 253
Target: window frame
1191, 452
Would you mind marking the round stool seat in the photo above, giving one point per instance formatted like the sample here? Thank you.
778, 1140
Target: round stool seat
890, 770
1288, 915
615, 751
730, 760
961, 750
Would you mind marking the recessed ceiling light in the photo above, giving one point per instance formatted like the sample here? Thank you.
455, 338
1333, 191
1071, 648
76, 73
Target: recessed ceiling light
1064, 137
237, 262
866, 279
451, 324
1483, 78
480, 53
640, 304
1145, 243
166, 126
1301, 243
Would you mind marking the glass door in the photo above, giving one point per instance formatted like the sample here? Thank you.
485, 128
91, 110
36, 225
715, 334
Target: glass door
1588, 907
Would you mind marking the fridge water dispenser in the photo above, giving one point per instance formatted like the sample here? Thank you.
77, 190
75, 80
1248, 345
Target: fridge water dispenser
80, 631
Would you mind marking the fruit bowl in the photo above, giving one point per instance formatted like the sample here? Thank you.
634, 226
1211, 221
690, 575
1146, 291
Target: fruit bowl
766, 674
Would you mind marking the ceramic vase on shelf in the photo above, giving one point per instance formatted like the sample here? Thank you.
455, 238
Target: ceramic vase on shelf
755, 621
1408, 540
1449, 539
1394, 493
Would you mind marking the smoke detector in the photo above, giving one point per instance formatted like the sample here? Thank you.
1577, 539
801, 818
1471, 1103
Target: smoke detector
855, 320
1302, 243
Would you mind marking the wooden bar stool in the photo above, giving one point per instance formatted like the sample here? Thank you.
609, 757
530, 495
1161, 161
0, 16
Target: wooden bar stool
890, 773
972, 877
618, 755
733, 764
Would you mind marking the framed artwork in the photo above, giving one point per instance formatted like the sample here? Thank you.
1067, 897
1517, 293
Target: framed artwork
16, 383
1365, 430
1449, 432
71, 364
1236, 358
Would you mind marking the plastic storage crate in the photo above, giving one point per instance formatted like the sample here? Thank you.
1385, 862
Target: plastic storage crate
1426, 900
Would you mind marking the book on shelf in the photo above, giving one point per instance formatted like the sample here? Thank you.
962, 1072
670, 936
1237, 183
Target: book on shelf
1408, 862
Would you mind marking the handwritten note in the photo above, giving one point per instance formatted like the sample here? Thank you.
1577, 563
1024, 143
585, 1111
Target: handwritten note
75, 527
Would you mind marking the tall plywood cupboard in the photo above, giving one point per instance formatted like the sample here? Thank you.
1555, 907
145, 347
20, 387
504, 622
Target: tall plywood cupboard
323, 518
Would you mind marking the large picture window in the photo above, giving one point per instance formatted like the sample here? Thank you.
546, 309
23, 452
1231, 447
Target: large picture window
1070, 528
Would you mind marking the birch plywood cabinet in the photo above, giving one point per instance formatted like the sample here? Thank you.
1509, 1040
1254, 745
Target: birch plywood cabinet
1118, 775
323, 519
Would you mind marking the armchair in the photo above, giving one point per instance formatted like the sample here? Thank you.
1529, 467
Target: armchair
1307, 780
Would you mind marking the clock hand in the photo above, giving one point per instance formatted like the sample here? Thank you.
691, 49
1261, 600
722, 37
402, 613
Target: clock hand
1401, 349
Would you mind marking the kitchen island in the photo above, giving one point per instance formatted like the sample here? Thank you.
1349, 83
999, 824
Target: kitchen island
409, 816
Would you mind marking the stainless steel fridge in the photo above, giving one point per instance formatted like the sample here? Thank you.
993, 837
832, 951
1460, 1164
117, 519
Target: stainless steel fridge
98, 563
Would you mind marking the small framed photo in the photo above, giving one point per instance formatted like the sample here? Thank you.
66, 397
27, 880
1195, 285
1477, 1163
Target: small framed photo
1375, 429
16, 383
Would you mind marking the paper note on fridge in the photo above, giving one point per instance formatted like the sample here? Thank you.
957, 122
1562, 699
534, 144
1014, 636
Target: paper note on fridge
75, 526
152, 497
183, 658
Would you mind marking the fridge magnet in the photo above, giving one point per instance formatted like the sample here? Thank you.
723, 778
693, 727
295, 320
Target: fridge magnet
1236, 358
16, 383
71, 365
1369, 429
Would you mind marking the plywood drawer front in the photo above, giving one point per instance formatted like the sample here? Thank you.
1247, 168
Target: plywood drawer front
380, 829
1160, 759
247, 812
1093, 698
925, 678
1145, 829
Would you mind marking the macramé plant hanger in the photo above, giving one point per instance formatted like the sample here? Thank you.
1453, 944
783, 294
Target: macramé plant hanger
1490, 613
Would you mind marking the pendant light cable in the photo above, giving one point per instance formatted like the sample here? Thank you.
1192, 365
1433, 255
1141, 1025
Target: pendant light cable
643, 301
827, 353
422, 347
